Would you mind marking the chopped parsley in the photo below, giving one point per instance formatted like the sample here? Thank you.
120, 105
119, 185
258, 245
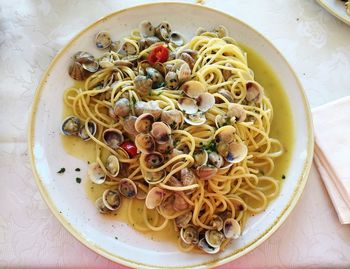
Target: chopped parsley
175, 143
210, 147
159, 93
283, 177
116, 237
61, 171
133, 100
77, 169
78, 180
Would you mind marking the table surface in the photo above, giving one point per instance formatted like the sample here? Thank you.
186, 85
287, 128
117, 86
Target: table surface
31, 32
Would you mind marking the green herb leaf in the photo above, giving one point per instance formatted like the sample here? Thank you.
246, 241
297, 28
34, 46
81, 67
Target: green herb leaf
210, 147
61, 171
77, 169
78, 180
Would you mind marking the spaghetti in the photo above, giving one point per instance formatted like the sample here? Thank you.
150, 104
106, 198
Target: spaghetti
183, 127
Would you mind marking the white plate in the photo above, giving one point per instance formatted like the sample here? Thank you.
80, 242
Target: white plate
68, 200
336, 8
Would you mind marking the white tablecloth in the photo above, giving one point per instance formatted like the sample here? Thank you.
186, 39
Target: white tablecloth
31, 32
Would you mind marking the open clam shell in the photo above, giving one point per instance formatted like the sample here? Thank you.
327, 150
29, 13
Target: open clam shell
225, 134
96, 174
177, 39
184, 72
200, 157
188, 105
71, 126
92, 129
153, 178
113, 138
101, 206
103, 40
160, 132
231, 228
147, 29
216, 159
189, 235
205, 172
145, 143
122, 107
255, 91
174, 118
237, 111
143, 123
184, 219
127, 188
203, 244
154, 160
112, 166
205, 101
171, 80
193, 88
154, 197
236, 152
129, 125
111, 199
214, 238
195, 119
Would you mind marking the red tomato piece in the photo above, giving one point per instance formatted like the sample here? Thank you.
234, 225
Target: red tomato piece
130, 148
158, 54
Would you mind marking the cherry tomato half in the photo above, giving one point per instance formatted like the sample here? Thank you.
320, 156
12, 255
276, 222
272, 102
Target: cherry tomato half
130, 148
158, 54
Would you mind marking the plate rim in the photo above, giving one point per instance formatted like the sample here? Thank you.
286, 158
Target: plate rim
324, 4
124, 261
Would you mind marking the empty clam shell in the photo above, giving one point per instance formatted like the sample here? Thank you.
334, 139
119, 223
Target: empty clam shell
200, 157
205, 172
154, 159
236, 152
193, 88
160, 132
127, 188
103, 40
91, 66
122, 107
184, 72
163, 31
195, 119
113, 138
83, 57
145, 143
188, 59
92, 129
147, 29
112, 165
205, 101
101, 206
188, 105
214, 238
183, 220
174, 118
96, 174
203, 244
153, 177
225, 134
111, 199
143, 123
255, 91
190, 235
71, 126
154, 197
217, 222
237, 111
231, 228
180, 203
177, 39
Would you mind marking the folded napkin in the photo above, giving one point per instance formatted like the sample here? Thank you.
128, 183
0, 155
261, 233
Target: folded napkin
332, 152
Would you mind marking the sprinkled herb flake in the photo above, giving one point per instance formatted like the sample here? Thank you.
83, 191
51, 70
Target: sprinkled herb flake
283, 177
78, 180
210, 147
61, 171
116, 237
77, 169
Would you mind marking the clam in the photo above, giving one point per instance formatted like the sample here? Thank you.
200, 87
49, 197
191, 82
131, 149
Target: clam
113, 138
187, 177
111, 199
115, 46
188, 59
188, 105
214, 238
156, 77
140, 107
154, 159
92, 129
101, 206
127, 188
183, 220
205, 172
143, 123
221, 120
77, 72
174, 118
231, 228
142, 84
107, 60
236, 152
237, 112
221, 31
225, 93
192, 53
205, 101
96, 174
227, 73
129, 125
190, 235
154, 197
195, 119
147, 29
215, 159
128, 48
200, 157
203, 244
91, 66
173, 181
71, 126
163, 31
193, 88
103, 40
180, 203
255, 91
217, 222
225, 134
112, 165
171, 80
167, 147
177, 39
184, 72
160, 132
145, 143
154, 177
122, 107
152, 107
83, 57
